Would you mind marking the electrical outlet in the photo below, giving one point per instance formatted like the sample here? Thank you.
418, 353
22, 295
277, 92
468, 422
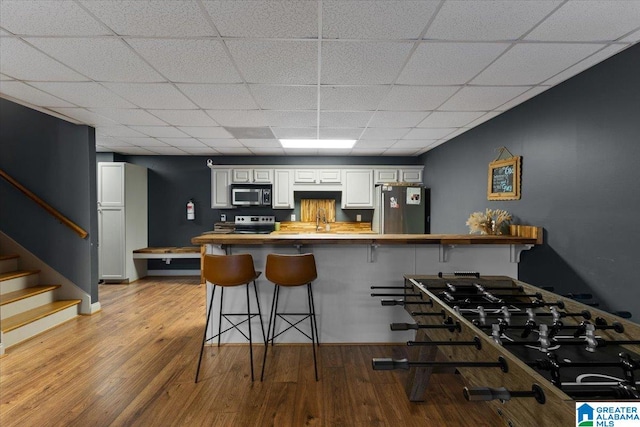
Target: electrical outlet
223, 217
293, 217
358, 217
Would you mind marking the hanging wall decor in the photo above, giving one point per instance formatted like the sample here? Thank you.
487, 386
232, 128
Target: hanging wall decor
504, 177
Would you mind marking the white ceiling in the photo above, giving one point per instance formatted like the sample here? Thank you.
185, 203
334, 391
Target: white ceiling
170, 77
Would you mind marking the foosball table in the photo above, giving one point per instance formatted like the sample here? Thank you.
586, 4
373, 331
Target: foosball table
528, 352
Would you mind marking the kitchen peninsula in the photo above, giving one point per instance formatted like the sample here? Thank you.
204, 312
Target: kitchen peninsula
349, 264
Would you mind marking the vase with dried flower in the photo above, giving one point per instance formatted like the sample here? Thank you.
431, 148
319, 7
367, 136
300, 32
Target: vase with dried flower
491, 221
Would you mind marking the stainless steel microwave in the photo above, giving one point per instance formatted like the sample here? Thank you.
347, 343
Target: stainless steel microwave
249, 195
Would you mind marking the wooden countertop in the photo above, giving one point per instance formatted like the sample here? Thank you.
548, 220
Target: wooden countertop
282, 238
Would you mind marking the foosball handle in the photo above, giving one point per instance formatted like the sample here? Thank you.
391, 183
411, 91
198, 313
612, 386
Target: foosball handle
501, 393
623, 314
388, 364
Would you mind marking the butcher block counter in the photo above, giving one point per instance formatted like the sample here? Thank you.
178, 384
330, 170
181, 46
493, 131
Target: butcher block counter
349, 264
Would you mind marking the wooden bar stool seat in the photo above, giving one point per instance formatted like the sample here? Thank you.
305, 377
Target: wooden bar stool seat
291, 271
229, 271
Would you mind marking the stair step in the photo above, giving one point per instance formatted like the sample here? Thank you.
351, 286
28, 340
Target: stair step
15, 274
14, 322
8, 263
9, 256
25, 293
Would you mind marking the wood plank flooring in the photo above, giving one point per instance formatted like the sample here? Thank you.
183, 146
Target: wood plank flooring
133, 364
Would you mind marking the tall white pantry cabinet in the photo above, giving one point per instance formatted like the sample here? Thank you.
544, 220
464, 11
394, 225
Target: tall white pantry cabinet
122, 220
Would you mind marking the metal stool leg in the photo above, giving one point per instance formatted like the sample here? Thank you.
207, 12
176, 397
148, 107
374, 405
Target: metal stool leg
315, 322
220, 318
266, 343
312, 322
255, 289
204, 335
250, 340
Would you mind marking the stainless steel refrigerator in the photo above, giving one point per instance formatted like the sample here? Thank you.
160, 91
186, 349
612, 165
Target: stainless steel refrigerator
401, 209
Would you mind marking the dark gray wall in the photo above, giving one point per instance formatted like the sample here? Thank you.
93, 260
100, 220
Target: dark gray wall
56, 161
580, 144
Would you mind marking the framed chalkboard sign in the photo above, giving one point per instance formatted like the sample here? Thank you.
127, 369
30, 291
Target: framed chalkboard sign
504, 179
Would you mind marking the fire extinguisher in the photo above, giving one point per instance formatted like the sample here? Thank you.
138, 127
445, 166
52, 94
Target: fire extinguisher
191, 210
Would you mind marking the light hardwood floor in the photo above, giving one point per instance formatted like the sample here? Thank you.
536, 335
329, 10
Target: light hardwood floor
134, 363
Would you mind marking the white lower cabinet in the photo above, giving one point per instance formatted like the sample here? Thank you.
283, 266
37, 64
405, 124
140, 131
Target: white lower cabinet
111, 254
357, 192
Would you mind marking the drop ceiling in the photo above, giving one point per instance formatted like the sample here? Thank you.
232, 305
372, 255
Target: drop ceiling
401, 77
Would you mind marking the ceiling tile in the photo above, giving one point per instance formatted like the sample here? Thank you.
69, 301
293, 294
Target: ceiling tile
272, 19
267, 151
367, 152
232, 97
31, 95
341, 133
151, 17
632, 38
399, 152
199, 151
102, 59
436, 63
396, 119
535, 91
205, 132
416, 144
84, 116
135, 151
374, 143
183, 142
362, 62
261, 143
291, 118
152, 95
144, 142
118, 131
384, 133
488, 20
416, 98
295, 133
456, 133
444, 119
85, 94
276, 61
300, 152
188, 60
168, 151
23, 62
473, 98
589, 21
239, 118
375, 20
339, 119
159, 131
478, 121
426, 133
106, 141
355, 98
129, 116
235, 151
221, 142
184, 117
285, 97
592, 60
532, 63
5, 77
42, 18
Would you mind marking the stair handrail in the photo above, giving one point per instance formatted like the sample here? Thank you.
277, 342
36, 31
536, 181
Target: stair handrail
52, 211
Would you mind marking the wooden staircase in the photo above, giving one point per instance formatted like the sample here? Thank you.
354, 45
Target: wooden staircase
28, 308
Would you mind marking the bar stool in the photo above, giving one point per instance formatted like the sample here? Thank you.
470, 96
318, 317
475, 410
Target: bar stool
230, 271
289, 271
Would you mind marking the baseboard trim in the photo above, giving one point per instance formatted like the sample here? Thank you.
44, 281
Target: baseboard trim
173, 273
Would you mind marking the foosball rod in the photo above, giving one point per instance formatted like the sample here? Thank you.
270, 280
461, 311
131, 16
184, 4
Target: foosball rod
387, 364
387, 302
586, 314
454, 288
492, 305
501, 393
537, 295
407, 326
477, 343
397, 295
441, 313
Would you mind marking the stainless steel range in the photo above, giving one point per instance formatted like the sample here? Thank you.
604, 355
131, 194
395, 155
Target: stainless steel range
248, 224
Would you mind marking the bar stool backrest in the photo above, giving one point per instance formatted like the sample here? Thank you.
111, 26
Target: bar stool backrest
229, 270
291, 270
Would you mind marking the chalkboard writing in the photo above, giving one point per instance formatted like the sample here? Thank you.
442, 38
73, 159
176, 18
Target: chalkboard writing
502, 179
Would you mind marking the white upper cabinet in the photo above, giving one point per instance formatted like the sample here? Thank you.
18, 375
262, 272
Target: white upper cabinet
317, 176
111, 184
220, 196
383, 176
357, 190
248, 176
329, 176
411, 175
305, 176
282, 194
